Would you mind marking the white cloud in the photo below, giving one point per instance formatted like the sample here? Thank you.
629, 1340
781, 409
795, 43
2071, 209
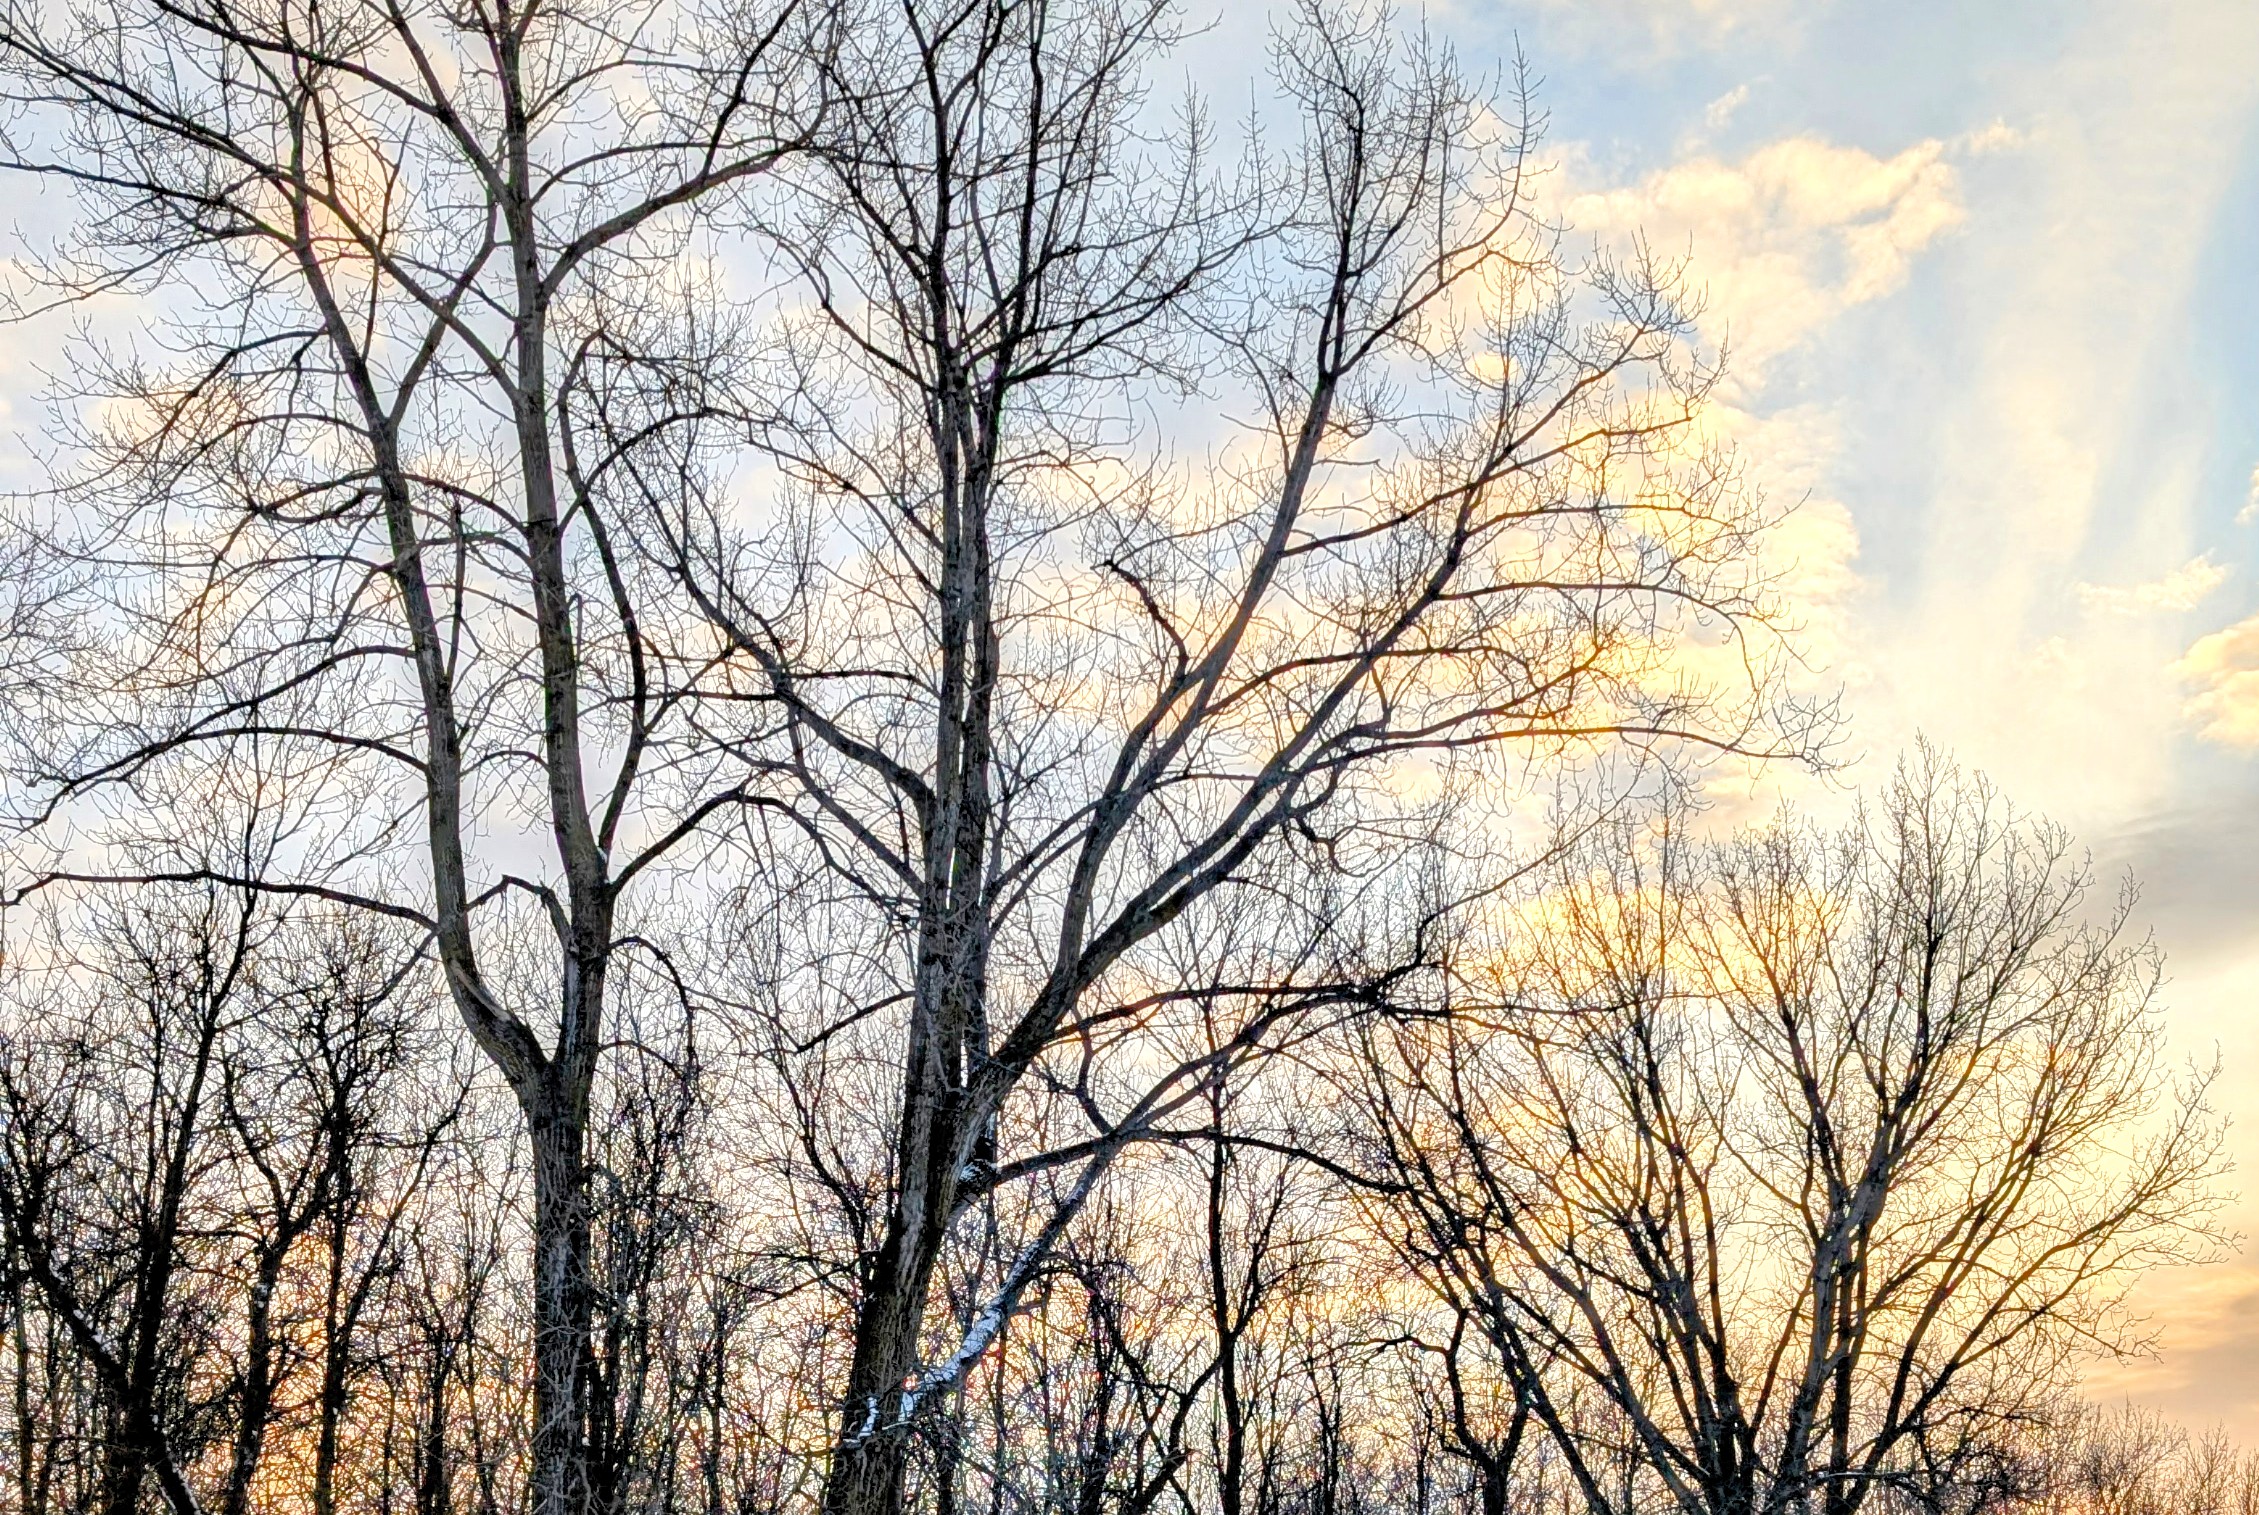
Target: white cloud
2223, 670
1721, 110
2033, 448
1790, 236
1668, 25
1790, 452
2250, 511
1781, 241
1999, 137
2010, 415
2182, 589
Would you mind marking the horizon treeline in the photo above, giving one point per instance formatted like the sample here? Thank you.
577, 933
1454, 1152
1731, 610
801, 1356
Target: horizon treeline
770, 757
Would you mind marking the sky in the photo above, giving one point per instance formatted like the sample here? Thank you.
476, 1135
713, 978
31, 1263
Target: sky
1989, 274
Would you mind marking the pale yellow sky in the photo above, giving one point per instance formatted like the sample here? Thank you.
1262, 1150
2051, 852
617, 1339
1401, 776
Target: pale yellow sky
1990, 274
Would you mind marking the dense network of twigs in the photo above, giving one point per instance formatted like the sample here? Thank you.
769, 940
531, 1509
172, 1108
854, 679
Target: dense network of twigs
794, 755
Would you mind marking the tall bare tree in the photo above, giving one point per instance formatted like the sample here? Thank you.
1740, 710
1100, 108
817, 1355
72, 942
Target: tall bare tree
346, 503
1096, 746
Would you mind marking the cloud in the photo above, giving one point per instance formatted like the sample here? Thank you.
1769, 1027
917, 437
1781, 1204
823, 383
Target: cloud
2207, 1367
1781, 241
2250, 511
1666, 26
1790, 236
1721, 110
2182, 589
2223, 669
1789, 454
2198, 867
1999, 137
2026, 446
1996, 441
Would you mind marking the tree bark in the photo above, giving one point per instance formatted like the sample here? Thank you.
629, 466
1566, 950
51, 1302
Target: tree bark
257, 1403
872, 1453
562, 1316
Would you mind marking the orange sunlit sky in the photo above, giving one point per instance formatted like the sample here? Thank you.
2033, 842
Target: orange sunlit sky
1989, 271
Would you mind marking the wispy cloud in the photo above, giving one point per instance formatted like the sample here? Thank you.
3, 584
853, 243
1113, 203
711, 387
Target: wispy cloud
1721, 110
1664, 27
2182, 589
1998, 137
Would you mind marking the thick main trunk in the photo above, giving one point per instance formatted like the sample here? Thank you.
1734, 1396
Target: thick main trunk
941, 1128
871, 1455
561, 1307
124, 1469
867, 1479
1497, 1489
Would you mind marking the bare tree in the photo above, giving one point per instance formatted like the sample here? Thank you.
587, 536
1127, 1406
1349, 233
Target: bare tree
1811, 1158
1085, 616
209, 1144
1089, 740
111, 1124
348, 503
2086, 1459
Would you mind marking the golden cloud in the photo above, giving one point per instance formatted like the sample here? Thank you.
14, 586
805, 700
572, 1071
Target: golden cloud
2223, 669
1789, 237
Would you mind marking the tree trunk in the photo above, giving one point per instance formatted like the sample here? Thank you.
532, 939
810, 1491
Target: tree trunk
30, 1496
1228, 1318
561, 1304
435, 1494
871, 1456
257, 1402
866, 1475
332, 1402
124, 1469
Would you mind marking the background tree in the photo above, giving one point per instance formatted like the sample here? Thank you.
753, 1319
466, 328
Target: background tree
1810, 1157
208, 1148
